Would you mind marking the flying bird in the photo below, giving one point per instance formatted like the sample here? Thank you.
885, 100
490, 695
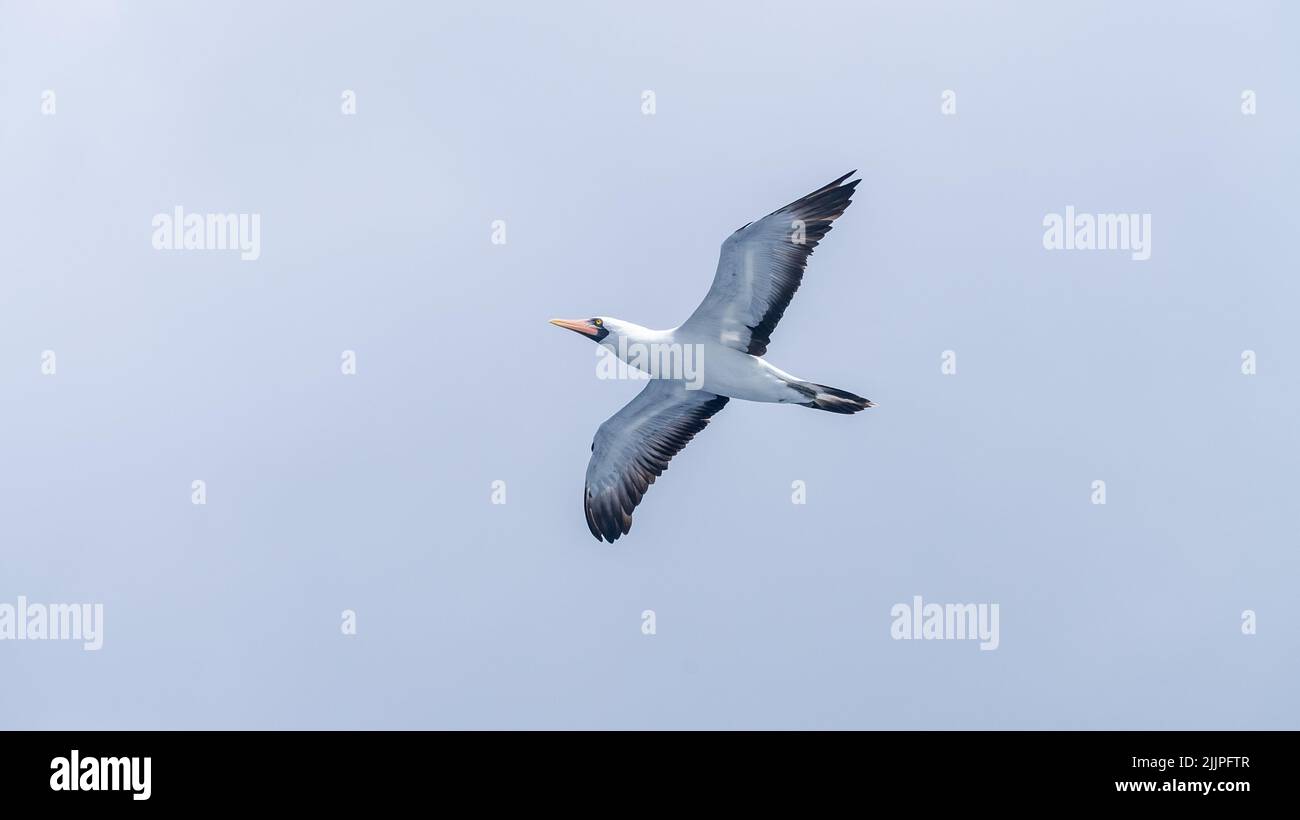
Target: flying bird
759, 270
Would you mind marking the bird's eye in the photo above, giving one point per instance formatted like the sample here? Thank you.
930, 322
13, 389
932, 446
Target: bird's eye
597, 322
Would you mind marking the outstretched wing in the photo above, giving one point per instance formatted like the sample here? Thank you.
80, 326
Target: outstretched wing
634, 446
761, 267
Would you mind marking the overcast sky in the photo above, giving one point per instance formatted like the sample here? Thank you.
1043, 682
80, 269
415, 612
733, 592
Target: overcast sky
372, 492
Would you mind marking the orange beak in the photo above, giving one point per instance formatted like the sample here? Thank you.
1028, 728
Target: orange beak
585, 328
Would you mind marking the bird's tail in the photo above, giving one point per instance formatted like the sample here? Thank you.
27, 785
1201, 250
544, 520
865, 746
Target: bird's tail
831, 399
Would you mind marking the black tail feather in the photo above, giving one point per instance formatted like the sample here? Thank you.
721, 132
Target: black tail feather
831, 399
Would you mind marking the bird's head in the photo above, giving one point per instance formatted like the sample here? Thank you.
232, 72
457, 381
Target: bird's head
596, 328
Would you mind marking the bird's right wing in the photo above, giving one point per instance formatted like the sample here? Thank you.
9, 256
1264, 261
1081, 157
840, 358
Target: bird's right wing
761, 266
634, 446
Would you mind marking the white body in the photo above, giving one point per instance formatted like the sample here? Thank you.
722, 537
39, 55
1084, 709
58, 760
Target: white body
725, 370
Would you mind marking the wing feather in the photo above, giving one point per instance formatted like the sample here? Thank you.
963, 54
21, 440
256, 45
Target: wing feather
761, 266
633, 447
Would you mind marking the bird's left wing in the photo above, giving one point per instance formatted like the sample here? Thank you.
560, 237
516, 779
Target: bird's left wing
634, 446
761, 266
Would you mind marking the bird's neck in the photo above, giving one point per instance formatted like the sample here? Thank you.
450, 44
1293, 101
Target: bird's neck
630, 337
636, 333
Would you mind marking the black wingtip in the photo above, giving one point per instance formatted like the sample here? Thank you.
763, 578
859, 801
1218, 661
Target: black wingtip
835, 183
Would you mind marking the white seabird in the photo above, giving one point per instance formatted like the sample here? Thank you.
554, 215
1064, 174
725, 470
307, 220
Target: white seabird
760, 269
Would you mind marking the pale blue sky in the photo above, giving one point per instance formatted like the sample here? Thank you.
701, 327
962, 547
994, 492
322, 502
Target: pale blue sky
371, 492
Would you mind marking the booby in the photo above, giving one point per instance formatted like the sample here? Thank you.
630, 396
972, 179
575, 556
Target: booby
760, 268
